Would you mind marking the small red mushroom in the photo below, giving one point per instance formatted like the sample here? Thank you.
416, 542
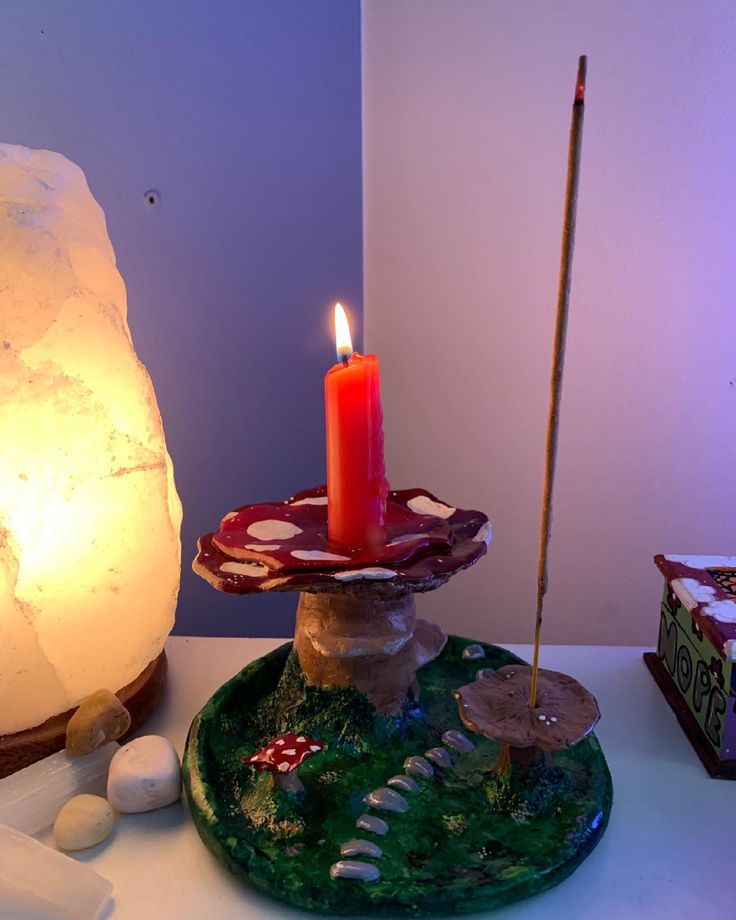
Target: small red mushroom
283, 756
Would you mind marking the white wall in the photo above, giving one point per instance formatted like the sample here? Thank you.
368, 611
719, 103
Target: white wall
466, 114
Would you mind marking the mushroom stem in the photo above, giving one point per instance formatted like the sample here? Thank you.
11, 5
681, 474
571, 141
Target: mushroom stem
504, 759
521, 756
366, 640
289, 782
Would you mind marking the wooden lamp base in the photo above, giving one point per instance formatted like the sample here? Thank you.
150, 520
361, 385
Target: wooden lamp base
140, 698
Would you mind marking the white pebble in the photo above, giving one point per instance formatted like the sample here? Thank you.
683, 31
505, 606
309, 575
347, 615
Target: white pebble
361, 848
144, 774
373, 824
470, 652
419, 766
353, 868
458, 741
386, 799
439, 756
405, 783
83, 822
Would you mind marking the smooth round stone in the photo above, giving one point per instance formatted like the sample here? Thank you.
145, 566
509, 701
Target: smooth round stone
83, 821
144, 774
353, 868
484, 673
419, 766
386, 799
457, 741
439, 756
372, 823
99, 718
361, 848
471, 652
405, 783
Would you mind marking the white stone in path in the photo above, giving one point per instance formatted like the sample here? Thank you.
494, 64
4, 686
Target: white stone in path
419, 766
373, 824
353, 868
358, 847
385, 799
84, 821
440, 757
405, 783
473, 651
144, 774
484, 673
457, 741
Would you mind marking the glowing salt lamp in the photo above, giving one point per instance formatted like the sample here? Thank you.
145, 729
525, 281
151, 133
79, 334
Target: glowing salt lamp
89, 514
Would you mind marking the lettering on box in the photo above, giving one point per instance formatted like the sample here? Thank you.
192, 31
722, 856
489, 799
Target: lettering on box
694, 679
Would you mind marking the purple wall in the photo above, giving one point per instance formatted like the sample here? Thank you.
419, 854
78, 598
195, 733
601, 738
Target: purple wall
245, 117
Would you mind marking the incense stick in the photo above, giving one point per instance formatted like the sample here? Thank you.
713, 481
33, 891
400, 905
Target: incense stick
558, 356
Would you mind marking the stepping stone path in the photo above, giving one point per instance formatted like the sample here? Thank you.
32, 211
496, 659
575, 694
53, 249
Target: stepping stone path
387, 799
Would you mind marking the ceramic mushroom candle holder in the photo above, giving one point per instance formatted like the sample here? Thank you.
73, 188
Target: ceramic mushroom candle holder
356, 621
336, 773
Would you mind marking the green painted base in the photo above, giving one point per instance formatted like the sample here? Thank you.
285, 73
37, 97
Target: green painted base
465, 843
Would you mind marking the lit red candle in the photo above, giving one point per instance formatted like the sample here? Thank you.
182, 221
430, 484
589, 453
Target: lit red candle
356, 472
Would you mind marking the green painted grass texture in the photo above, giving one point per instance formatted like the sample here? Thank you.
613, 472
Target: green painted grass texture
465, 844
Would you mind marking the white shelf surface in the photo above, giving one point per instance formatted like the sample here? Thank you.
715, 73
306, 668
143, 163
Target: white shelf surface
668, 852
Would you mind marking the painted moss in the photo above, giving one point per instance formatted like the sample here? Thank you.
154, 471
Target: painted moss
452, 851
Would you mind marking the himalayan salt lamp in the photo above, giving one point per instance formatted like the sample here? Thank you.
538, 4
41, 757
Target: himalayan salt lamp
89, 514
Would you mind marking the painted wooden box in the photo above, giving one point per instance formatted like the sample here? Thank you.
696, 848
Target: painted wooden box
696, 649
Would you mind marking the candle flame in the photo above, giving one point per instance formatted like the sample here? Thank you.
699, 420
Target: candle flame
342, 334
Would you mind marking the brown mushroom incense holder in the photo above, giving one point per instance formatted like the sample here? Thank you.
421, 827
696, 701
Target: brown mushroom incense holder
401, 811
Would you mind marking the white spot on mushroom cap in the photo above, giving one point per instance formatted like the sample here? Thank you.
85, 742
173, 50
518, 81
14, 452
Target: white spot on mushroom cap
252, 569
229, 516
264, 547
273, 530
373, 572
312, 500
283, 767
485, 534
318, 555
423, 504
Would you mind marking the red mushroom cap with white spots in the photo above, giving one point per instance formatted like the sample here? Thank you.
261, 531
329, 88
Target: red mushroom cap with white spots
283, 546
285, 753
